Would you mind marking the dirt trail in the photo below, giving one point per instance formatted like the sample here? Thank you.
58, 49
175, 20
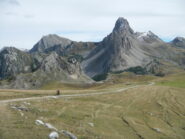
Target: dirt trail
72, 95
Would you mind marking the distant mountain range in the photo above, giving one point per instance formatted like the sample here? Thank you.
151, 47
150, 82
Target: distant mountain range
54, 58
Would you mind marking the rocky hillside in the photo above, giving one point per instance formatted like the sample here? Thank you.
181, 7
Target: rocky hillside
49, 41
55, 58
13, 62
24, 70
118, 51
179, 42
123, 49
62, 46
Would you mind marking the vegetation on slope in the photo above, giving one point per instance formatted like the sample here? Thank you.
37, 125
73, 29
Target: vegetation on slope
147, 112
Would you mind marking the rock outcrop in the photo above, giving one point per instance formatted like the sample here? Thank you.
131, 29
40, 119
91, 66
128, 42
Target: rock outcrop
148, 37
13, 62
124, 48
118, 51
179, 42
54, 58
49, 41
24, 70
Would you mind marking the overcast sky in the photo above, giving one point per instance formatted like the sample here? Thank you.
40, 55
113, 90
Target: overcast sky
24, 22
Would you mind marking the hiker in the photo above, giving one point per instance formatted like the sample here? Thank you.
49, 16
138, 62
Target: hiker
58, 92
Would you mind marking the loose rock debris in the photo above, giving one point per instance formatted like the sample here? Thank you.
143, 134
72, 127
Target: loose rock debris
69, 134
53, 135
20, 108
39, 122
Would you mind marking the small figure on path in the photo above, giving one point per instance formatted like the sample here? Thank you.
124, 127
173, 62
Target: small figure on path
58, 92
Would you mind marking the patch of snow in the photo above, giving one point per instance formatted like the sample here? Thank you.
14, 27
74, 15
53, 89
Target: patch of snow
53, 135
143, 34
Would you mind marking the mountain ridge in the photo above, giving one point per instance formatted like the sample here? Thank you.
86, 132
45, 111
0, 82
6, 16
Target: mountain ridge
66, 60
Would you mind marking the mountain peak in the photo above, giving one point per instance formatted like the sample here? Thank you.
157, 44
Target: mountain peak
179, 39
179, 42
122, 25
148, 37
8, 49
49, 41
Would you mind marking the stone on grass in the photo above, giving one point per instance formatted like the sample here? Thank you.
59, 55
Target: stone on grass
53, 135
39, 122
48, 125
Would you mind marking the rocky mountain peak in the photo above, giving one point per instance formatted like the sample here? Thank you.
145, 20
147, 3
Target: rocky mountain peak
49, 41
13, 62
117, 52
151, 34
8, 49
122, 25
179, 39
148, 37
179, 42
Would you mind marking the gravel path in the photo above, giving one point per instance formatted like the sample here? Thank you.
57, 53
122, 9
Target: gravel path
72, 95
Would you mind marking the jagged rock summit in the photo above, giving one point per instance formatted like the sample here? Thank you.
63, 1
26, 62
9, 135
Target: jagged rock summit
49, 41
118, 51
122, 25
55, 58
179, 42
123, 49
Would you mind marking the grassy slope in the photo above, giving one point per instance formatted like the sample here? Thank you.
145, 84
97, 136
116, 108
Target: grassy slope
134, 114
12, 93
176, 80
117, 81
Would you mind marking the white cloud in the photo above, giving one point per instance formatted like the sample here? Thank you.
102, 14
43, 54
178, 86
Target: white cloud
10, 2
84, 20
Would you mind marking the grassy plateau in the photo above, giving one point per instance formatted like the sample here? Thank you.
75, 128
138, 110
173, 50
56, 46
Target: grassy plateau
146, 112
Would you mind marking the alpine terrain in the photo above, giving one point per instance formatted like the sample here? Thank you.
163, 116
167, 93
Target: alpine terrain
56, 58
130, 85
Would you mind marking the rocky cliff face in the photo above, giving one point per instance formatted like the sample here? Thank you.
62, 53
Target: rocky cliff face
118, 51
56, 58
13, 62
52, 68
62, 46
49, 41
24, 70
123, 49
